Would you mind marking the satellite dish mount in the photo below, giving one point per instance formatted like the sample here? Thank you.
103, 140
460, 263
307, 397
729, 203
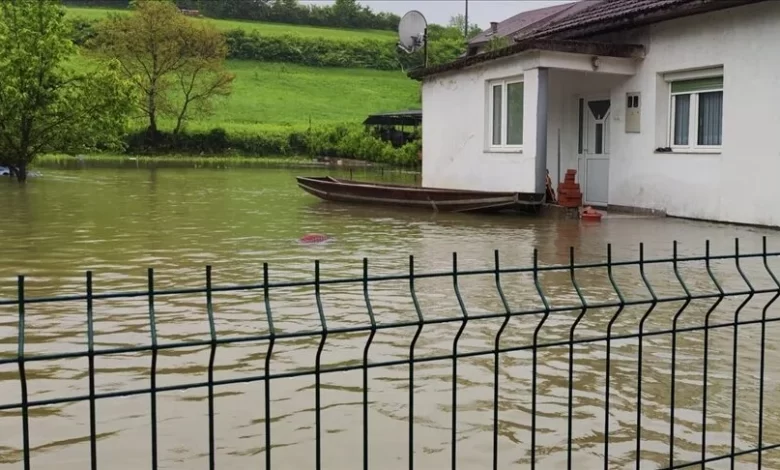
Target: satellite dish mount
413, 34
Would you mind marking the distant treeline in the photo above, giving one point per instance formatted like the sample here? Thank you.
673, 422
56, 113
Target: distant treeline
342, 14
445, 45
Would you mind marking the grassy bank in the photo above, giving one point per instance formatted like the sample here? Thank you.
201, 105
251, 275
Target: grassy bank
269, 97
271, 29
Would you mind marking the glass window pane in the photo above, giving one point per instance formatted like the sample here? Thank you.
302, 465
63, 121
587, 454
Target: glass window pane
497, 98
514, 111
710, 118
682, 111
599, 139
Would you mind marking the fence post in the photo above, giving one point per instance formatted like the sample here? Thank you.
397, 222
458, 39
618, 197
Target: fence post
640, 353
674, 350
318, 365
23, 375
271, 342
535, 364
420, 324
571, 354
365, 362
496, 357
213, 352
465, 314
153, 380
735, 355
763, 357
621, 305
705, 385
91, 359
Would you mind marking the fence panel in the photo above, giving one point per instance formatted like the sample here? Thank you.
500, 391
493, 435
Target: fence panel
647, 363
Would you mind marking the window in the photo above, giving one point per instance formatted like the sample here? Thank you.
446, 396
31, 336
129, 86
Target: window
506, 114
697, 113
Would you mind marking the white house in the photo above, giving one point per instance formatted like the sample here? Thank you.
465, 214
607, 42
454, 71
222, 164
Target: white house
662, 105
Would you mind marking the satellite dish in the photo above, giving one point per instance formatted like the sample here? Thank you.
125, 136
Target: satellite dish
412, 32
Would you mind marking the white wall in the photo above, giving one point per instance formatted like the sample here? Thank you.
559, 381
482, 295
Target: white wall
737, 185
455, 153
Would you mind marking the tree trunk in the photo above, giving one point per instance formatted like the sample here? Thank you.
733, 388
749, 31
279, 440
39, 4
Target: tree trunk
21, 172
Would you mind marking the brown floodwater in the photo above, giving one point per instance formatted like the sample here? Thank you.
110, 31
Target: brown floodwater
119, 222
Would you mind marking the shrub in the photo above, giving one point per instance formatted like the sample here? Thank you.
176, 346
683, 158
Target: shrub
343, 141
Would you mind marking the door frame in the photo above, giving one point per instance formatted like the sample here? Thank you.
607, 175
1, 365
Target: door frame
582, 158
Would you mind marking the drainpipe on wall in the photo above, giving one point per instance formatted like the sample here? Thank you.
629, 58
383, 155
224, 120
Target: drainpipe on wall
541, 132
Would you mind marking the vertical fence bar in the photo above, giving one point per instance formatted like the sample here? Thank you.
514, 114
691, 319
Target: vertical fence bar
674, 351
496, 357
571, 357
212, 355
271, 342
534, 366
622, 303
370, 312
318, 365
763, 358
705, 371
640, 355
91, 361
420, 324
153, 380
465, 313
735, 355
23, 376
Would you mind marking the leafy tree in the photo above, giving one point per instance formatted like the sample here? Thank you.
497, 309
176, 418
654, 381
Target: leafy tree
458, 23
176, 63
45, 105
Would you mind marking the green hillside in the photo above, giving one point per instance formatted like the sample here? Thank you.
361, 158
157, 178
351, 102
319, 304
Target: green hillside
271, 29
271, 96
280, 108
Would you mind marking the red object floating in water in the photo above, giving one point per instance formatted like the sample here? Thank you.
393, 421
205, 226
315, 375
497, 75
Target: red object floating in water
313, 238
590, 214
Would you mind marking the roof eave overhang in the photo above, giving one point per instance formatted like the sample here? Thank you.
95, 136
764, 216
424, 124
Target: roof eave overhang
628, 51
680, 10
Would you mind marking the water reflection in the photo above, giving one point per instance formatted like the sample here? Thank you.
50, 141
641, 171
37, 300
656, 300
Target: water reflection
120, 221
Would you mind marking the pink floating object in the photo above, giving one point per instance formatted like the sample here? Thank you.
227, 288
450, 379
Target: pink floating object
313, 238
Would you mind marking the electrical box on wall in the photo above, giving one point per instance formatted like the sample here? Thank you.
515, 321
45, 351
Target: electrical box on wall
633, 107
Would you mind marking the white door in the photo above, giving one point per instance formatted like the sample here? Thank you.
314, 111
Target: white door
595, 153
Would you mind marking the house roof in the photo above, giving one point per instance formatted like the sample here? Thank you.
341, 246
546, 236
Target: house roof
579, 47
590, 18
513, 25
614, 15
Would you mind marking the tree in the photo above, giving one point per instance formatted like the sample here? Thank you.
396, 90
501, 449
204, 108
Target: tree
45, 105
458, 23
176, 63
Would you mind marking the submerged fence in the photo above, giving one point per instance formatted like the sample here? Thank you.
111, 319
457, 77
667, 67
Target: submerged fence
654, 382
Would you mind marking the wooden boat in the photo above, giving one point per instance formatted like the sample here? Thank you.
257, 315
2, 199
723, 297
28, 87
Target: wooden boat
444, 200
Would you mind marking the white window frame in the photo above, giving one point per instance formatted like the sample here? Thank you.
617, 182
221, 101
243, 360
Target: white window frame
504, 83
693, 112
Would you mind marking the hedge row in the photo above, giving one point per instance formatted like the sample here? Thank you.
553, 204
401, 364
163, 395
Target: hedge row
315, 52
353, 142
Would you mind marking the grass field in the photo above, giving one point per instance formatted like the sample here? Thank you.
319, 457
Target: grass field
271, 96
271, 29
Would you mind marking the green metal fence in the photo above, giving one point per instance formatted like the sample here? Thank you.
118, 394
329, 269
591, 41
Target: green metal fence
651, 304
